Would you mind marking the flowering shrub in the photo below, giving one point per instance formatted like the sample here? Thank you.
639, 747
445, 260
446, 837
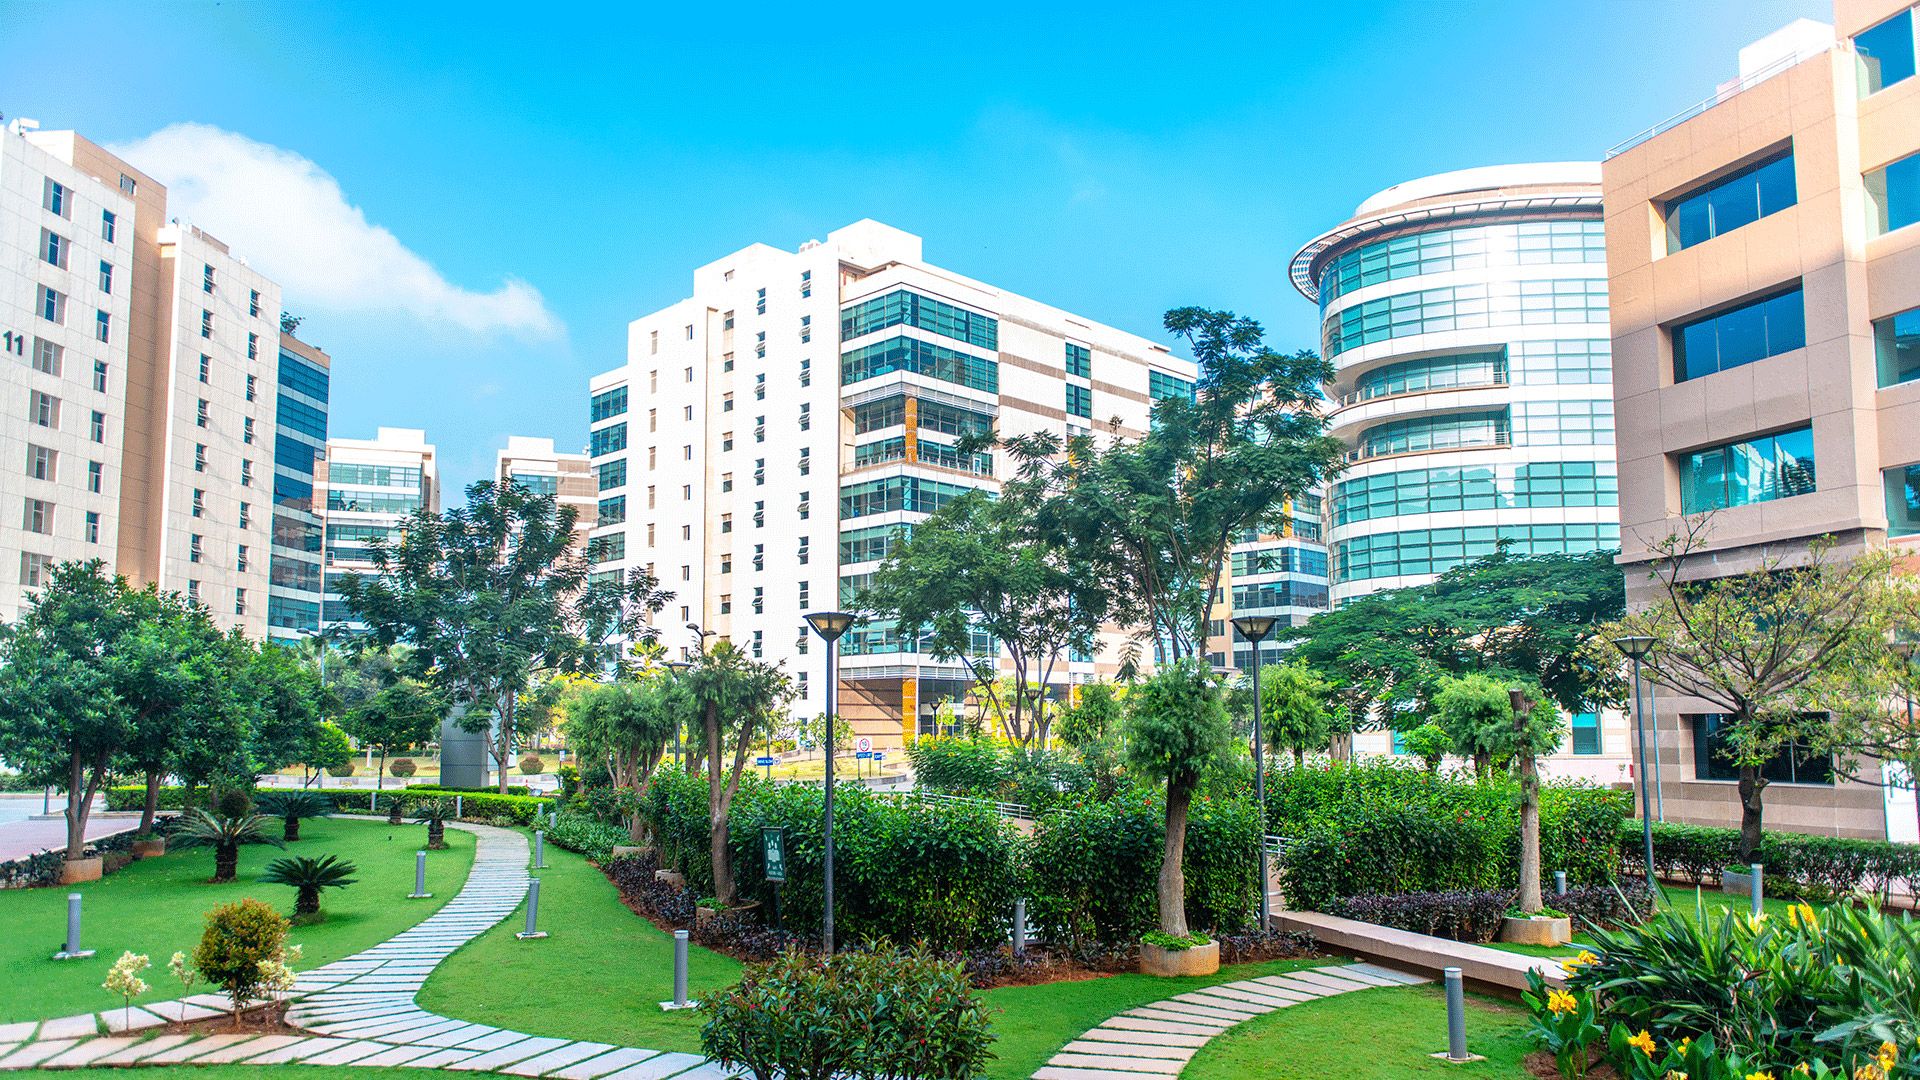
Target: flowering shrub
124, 981
902, 1014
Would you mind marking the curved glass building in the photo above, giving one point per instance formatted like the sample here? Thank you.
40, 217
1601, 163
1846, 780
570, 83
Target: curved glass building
1465, 315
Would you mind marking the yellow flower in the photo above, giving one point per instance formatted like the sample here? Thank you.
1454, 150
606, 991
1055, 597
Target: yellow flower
1559, 1001
1586, 957
1759, 1076
1889, 1054
1675, 1074
1868, 1071
1803, 1069
1685, 1042
1642, 1042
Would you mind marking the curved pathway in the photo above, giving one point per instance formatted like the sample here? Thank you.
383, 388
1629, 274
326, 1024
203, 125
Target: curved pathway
360, 1010
1157, 1040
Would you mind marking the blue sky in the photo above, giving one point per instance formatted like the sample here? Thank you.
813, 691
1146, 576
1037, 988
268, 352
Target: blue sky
513, 184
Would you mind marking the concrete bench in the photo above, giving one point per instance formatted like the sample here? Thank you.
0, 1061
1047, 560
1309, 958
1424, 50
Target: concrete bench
1487, 969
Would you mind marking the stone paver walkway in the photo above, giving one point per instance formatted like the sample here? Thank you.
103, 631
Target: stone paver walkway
361, 1010
1157, 1040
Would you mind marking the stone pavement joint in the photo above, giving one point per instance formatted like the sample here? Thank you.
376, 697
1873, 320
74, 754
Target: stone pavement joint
1156, 1040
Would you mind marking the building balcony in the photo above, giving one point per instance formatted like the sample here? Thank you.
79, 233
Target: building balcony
1501, 441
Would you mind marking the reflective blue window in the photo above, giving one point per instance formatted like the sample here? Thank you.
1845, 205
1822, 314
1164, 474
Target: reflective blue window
1079, 360
1753, 331
1884, 53
1586, 732
902, 307
612, 474
290, 492
1894, 193
304, 378
537, 483
607, 404
1556, 301
1079, 400
1730, 202
1484, 487
1161, 385
300, 416
922, 357
909, 493
293, 455
1896, 347
610, 548
1528, 243
1739, 474
1435, 551
613, 511
607, 440
1446, 432
1903, 500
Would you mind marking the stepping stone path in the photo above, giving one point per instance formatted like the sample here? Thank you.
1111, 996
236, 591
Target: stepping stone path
360, 1010
1155, 1041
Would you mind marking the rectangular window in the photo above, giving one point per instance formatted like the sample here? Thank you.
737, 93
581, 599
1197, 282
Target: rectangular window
1079, 401
206, 278
1893, 192
1884, 53
806, 283
613, 511
607, 440
240, 557
806, 505
39, 516
1796, 764
107, 223
206, 323
253, 346
759, 556
1726, 204
106, 276
726, 401
760, 302
199, 457
1903, 500
54, 248
93, 527
246, 516
726, 563
759, 429
802, 553
806, 416
96, 475
193, 547
607, 404
806, 371
51, 306
34, 568
1739, 335
42, 463
193, 589
251, 391
1896, 347
1739, 474
57, 199
1079, 360
905, 308
48, 357
239, 601
253, 302
199, 502
1586, 732
759, 600
726, 441
44, 410
759, 643
806, 461
206, 368
100, 376
806, 329
726, 481
612, 474
102, 326
759, 471
246, 473
726, 523
97, 427
760, 387
921, 357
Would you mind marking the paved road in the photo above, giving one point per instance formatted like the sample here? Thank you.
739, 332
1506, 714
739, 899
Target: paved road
20, 837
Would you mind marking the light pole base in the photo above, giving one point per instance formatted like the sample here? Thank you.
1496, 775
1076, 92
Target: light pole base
65, 955
419, 896
674, 1006
533, 935
1451, 1060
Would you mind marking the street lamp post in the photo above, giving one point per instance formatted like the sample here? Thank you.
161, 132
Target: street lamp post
1904, 648
1255, 629
1636, 648
679, 668
829, 625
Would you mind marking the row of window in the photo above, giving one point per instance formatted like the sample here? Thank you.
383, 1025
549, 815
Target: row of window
607, 440
1292, 592
903, 307
1544, 362
872, 543
44, 411
912, 494
1435, 551
1558, 301
1754, 470
372, 502
921, 357
358, 475
51, 304
1742, 198
44, 464
301, 377
1161, 386
1472, 247
607, 404
58, 199
1476, 487
50, 358
1279, 559
928, 416
1884, 53
38, 518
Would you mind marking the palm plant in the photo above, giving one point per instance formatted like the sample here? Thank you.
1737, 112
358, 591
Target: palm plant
308, 876
291, 806
224, 834
397, 808
435, 812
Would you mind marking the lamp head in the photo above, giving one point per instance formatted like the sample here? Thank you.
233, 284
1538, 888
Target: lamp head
1634, 647
1255, 628
830, 624
1522, 704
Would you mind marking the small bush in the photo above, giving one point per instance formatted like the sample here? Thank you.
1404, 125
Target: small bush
345, 768
531, 765
1621, 904
240, 941
1797, 865
887, 1012
402, 767
581, 833
1463, 914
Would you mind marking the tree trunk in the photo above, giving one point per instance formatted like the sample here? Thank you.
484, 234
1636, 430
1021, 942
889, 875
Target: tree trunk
1751, 785
290, 829
226, 857
76, 809
306, 901
503, 742
152, 805
395, 808
436, 834
1172, 888
717, 810
1529, 834
1299, 757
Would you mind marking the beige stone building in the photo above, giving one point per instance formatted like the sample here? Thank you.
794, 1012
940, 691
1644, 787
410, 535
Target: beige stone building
569, 478
1764, 270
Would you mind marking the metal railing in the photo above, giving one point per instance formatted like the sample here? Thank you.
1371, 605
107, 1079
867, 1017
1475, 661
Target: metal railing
1745, 82
1005, 809
1504, 439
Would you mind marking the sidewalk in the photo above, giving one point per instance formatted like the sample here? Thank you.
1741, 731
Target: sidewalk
21, 836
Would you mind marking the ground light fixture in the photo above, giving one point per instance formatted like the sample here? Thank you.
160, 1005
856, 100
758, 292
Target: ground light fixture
1255, 629
829, 625
1635, 647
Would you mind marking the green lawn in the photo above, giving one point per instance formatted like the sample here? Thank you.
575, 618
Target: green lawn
1366, 1035
1678, 898
157, 906
255, 1072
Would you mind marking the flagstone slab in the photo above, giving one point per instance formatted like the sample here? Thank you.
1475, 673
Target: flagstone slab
20, 1032
660, 1067
88, 1052
1143, 1066
507, 1055
553, 1059
84, 1026
1169, 1053
346, 1055
399, 1055
248, 1049
594, 1068
141, 1050
34, 1053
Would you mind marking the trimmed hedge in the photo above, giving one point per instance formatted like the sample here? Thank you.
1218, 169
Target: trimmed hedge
484, 808
587, 835
1462, 914
443, 789
1813, 867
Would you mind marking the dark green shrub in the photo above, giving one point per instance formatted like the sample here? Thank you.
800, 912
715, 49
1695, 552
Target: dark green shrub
531, 765
582, 833
237, 949
1472, 915
308, 876
290, 807
1813, 867
886, 1012
402, 767
345, 768
1374, 850
954, 766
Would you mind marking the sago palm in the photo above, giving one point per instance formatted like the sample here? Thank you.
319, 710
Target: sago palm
224, 835
308, 876
291, 806
435, 812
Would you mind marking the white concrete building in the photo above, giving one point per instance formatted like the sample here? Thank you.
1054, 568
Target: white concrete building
369, 487
66, 287
770, 435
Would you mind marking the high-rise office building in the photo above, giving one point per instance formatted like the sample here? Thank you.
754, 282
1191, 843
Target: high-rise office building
1764, 249
164, 344
771, 435
1465, 315
535, 465
295, 593
369, 488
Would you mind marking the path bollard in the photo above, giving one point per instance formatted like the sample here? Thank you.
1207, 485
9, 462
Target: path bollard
1559, 883
533, 912
73, 951
373, 801
1019, 928
1758, 888
1456, 1052
419, 877
539, 850
458, 806
679, 974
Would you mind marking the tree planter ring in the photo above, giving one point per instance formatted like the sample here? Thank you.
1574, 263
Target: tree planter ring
1198, 960
75, 871
1539, 930
148, 849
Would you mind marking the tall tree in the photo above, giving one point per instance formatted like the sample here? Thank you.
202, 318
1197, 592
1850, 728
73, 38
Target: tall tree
491, 593
983, 566
626, 726
1177, 727
1296, 710
174, 671
1875, 718
1751, 645
740, 699
406, 713
1150, 519
1480, 710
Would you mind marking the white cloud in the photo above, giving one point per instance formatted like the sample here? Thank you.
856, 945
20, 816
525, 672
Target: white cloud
290, 219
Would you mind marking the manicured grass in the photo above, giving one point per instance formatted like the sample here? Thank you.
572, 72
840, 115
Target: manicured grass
600, 975
1679, 899
291, 1072
1365, 1035
157, 906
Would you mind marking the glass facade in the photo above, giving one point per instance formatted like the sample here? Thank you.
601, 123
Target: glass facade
1279, 559
1903, 500
1161, 385
607, 440
1741, 335
909, 493
538, 483
1738, 474
1433, 373
1530, 243
1292, 592
1894, 194
1435, 551
1730, 202
607, 404
1563, 423
1478, 487
871, 543
299, 416
1794, 765
1079, 400
294, 547
1079, 360
1896, 347
373, 475
611, 474
1447, 432
1884, 53
903, 307
922, 357
1466, 307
